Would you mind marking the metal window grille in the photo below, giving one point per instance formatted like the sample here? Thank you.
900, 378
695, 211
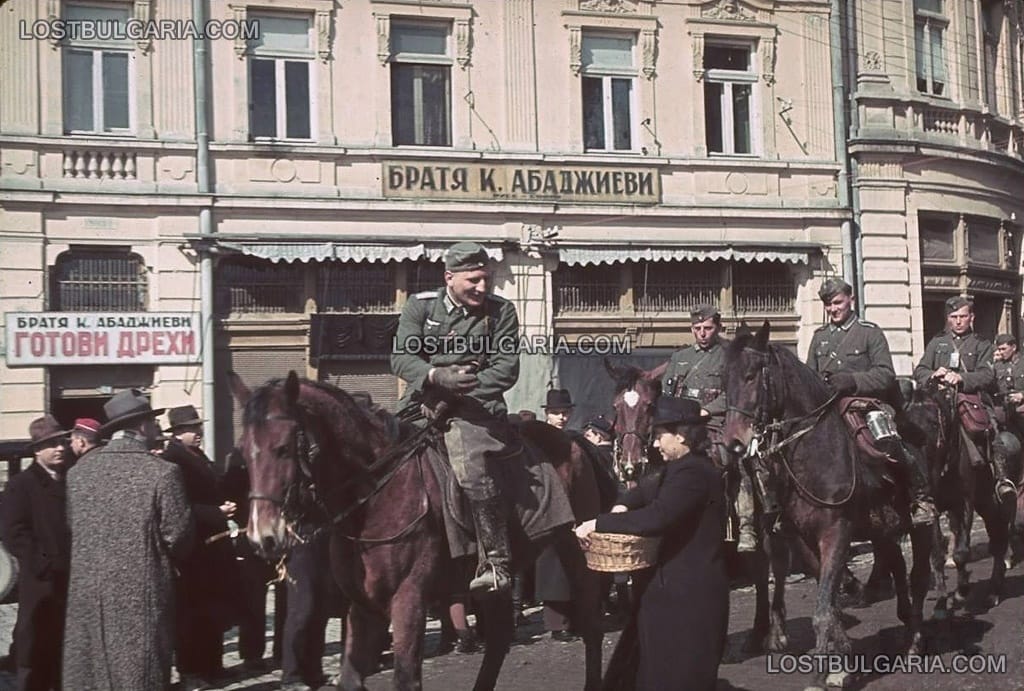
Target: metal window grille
100, 281
424, 275
356, 287
586, 288
763, 288
255, 286
676, 286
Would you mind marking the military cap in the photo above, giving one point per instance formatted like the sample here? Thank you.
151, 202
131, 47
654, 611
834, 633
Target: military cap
702, 313
832, 286
465, 256
956, 302
1003, 339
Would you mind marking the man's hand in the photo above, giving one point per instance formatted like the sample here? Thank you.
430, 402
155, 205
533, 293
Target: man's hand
454, 378
843, 382
1015, 397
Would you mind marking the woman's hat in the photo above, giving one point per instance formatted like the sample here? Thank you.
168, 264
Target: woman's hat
601, 424
182, 416
678, 411
44, 429
559, 398
125, 407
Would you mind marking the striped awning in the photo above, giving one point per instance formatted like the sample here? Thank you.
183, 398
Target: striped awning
607, 254
343, 251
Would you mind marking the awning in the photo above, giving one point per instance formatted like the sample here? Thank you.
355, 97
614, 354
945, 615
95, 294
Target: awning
342, 251
796, 254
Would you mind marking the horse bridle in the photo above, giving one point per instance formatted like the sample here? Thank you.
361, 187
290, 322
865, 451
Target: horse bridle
302, 492
645, 440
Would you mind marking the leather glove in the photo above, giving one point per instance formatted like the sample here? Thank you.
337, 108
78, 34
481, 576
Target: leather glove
843, 382
454, 378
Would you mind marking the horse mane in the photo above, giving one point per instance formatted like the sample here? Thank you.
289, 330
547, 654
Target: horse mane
630, 376
793, 368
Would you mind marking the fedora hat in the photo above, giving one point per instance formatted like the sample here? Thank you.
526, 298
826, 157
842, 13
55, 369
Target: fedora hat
678, 411
125, 407
44, 429
559, 398
182, 416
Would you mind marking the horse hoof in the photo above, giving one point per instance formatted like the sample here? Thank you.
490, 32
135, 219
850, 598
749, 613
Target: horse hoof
815, 688
992, 601
958, 601
950, 564
836, 680
777, 644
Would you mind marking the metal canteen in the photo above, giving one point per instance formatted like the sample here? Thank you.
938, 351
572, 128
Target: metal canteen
881, 425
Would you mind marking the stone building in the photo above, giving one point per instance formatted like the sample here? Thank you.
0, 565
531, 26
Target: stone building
622, 160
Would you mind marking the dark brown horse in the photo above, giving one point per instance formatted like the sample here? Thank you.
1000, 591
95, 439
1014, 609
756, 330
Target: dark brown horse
319, 459
636, 392
781, 408
960, 489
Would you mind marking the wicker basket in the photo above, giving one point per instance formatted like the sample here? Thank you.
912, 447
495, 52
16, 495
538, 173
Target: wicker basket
615, 553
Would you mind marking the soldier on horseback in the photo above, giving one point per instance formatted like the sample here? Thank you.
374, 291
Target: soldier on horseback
695, 371
960, 359
852, 355
1009, 369
459, 344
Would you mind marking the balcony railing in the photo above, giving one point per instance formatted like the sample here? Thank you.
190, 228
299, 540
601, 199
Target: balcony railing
91, 164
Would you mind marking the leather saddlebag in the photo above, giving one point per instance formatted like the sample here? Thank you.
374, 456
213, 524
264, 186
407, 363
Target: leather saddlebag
974, 416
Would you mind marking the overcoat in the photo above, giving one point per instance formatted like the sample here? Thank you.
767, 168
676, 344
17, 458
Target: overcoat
683, 617
130, 524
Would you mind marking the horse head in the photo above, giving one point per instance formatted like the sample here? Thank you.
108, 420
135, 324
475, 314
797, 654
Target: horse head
746, 380
636, 392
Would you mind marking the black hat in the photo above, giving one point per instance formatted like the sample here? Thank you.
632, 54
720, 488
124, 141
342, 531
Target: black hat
832, 286
956, 302
559, 398
44, 429
182, 416
674, 411
601, 424
465, 256
125, 407
1003, 339
702, 313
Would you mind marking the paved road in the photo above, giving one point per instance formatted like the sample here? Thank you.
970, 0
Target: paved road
537, 662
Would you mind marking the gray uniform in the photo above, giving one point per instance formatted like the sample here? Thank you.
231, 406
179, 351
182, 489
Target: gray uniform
975, 361
857, 347
1010, 375
696, 372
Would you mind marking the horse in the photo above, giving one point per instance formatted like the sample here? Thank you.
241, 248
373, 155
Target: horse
636, 394
319, 459
961, 490
781, 410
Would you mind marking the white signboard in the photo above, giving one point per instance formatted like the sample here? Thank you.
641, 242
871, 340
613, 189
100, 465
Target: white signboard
101, 338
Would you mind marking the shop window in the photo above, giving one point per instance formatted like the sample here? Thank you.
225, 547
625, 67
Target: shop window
983, 240
424, 275
99, 73
609, 85
586, 289
280, 74
356, 287
729, 83
930, 26
675, 286
421, 84
99, 280
247, 285
763, 288
937, 237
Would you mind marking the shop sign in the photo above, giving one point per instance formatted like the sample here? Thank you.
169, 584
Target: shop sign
515, 182
35, 339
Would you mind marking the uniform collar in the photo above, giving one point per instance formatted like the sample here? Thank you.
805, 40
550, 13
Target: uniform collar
450, 305
710, 347
846, 324
959, 338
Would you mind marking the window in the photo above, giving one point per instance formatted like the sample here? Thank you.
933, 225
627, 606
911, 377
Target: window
937, 236
99, 280
763, 288
929, 28
280, 74
356, 287
983, 240
424, 275
98, 74
728, 98
991, 23
420, 85
257, 286
676, 286
586, 289
608, 83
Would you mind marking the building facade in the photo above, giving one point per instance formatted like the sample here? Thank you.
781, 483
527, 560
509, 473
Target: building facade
622, 161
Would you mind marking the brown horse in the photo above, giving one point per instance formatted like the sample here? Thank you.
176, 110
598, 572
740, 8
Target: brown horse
318, 459
780, 407
636, 392
960, 490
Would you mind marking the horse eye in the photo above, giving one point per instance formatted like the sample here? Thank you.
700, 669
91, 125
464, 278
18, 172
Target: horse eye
281, 450
750, 376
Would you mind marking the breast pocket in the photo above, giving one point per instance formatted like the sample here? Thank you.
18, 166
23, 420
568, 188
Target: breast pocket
857, 360
969, 361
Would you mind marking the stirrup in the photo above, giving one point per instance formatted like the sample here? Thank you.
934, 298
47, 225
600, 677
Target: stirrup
491, 579
1005, 487
747, 541
923, 513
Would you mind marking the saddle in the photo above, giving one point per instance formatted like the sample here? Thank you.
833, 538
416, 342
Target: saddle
854, 411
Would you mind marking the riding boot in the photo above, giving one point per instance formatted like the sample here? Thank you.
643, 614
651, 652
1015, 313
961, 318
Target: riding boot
745, 514
493, 574
921, 502
1006, 490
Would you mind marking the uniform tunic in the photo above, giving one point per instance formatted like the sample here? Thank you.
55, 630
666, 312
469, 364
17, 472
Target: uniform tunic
857, 347
696, 372
1010, 375
975, 360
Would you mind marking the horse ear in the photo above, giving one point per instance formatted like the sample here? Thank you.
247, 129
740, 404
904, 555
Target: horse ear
291, 387
238, 388
761, 338
614, 371
657, 372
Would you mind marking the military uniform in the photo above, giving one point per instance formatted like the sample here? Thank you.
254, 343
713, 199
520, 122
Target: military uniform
695, 372
857, 347
1009, 375
975, 355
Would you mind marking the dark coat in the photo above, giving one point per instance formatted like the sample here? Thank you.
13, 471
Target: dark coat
131, 524
33, 526
682, 621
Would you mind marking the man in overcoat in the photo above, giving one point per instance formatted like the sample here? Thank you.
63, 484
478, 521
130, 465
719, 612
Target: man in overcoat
852, 355
33, 526
131, 527
460, 345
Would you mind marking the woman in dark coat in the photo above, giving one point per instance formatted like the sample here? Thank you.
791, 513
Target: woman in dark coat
683, 617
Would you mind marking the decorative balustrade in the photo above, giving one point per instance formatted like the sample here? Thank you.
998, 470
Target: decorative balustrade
940, 121
965, 127
88, 164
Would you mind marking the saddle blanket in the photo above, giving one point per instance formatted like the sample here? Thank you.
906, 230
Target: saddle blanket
532, 487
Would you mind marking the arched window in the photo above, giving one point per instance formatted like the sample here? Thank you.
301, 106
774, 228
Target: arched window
99, 280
